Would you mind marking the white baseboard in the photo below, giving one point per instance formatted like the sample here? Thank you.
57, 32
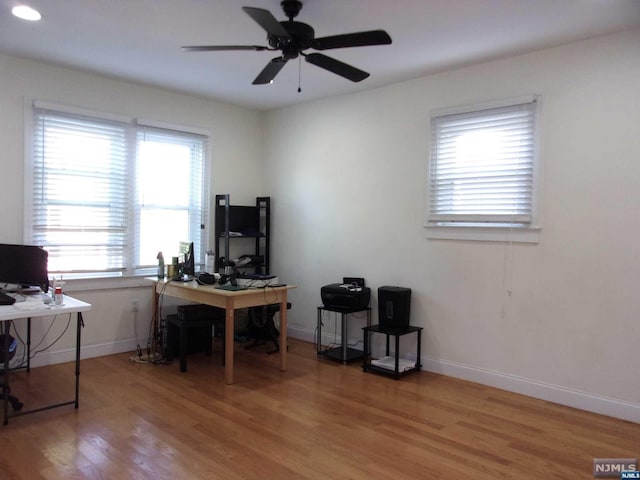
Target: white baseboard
545, 391
90, 351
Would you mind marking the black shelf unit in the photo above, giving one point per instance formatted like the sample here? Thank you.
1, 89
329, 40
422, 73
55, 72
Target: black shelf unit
239, 221
396, 332
341, 353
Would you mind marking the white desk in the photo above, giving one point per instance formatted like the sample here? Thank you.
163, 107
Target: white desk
230, 301
9, 313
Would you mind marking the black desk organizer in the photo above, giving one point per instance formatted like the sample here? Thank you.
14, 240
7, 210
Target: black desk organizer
190, 331
396, 332
342, 353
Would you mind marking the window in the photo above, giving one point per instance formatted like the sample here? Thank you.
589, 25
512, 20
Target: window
482, 167
169, 200
108, 193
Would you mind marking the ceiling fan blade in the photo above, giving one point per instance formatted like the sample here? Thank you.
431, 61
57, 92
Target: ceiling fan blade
219, 48
266, 20
269, 72
336, 66
357, 39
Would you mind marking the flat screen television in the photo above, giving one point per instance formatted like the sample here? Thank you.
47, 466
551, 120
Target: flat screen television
242, 219
188, 260
23, 266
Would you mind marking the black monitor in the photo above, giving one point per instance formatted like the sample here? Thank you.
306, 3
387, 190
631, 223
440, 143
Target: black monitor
242, 219
24, 266
189, 265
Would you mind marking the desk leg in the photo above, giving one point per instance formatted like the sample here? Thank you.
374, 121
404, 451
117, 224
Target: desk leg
80, 324
283, 332
319, 327
156, 346
5, 350
228, 341
397, 357
29, 344
343, 319
418, 361
183, 346
365, 350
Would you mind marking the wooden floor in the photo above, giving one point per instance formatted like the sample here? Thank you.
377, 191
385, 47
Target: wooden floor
318, 420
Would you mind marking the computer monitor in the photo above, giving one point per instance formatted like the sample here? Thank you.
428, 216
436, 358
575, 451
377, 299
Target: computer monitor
189, 264
23, 266
242, 219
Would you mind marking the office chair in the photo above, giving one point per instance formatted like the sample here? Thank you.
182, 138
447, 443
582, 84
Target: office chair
262, 326
6, 390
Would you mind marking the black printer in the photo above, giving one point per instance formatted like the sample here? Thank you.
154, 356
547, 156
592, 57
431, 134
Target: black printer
351, 294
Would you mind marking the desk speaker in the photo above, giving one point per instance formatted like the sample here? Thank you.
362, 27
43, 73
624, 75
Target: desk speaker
394, 306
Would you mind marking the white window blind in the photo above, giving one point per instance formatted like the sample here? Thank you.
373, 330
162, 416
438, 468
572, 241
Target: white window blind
79, 204
107, 194
482, 166
170, 198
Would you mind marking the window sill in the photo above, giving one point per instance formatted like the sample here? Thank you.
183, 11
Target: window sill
106, 283
483, 233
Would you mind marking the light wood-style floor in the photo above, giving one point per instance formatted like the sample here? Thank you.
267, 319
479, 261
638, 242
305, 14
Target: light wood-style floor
318, 420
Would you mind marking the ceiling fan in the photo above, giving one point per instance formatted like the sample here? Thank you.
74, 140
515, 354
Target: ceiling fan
294, 38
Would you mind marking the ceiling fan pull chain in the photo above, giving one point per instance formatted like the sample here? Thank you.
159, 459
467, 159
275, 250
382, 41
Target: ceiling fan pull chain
299, 73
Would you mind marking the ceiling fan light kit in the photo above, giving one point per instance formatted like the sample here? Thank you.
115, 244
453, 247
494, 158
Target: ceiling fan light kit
293, 38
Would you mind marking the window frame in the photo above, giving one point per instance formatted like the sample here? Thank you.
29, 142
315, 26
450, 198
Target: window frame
500, 232
133, 126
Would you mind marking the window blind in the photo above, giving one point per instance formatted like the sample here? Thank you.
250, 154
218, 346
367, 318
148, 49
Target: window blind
170, 204
482, 166
79, 210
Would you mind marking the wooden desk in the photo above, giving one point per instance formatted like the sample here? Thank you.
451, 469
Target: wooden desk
9, 313
230, 301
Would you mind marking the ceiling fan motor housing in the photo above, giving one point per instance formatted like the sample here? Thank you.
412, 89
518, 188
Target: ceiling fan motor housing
301, 38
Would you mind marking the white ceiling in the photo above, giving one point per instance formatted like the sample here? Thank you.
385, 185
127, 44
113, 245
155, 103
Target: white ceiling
140, 39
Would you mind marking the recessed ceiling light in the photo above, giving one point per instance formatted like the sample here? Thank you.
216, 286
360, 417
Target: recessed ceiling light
26, 13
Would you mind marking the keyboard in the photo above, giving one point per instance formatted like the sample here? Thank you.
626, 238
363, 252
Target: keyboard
6, 299
258, 283
255, 276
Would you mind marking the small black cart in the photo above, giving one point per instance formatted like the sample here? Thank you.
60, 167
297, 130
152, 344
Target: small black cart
391, 366
341, 353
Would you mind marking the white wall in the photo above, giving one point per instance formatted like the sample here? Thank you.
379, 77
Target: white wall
236, 151
347, 177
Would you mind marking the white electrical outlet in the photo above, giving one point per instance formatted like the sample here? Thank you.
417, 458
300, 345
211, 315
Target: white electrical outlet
134, 306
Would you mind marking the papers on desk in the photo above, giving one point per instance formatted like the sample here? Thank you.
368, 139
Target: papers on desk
257, 282
33, 304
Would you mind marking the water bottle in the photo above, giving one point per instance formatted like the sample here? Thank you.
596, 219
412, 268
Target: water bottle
58, 295
160, 266
209, 262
